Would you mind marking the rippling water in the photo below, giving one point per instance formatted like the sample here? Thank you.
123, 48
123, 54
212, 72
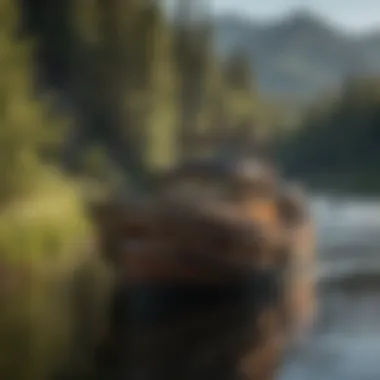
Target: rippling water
345, 344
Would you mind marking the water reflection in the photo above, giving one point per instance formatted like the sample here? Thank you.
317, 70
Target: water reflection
345, 343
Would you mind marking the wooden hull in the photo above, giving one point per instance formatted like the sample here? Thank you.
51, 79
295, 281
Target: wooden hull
192, 299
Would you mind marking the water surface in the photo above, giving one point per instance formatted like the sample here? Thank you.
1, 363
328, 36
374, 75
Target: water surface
345, 343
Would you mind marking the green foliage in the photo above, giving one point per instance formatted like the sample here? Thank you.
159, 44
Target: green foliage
41, 244
95, 162
160, 146
155, 90
26, 129
339, 139
42, 222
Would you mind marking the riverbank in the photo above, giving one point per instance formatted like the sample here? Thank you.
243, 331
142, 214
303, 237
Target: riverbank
356, 184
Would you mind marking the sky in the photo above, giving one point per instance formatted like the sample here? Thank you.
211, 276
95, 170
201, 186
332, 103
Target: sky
352, 15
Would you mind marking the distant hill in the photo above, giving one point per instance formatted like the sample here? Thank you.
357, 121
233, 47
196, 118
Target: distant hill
300, 55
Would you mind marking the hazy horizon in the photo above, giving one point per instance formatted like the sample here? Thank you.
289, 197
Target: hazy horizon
352, 15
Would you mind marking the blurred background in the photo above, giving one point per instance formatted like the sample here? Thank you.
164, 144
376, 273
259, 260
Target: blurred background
99, 96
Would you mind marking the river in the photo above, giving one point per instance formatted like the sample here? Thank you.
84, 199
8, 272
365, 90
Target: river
345, 342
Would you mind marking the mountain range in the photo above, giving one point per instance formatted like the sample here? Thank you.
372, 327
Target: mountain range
299, 56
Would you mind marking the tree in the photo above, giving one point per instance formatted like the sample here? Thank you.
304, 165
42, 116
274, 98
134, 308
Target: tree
27, 130
193, 51
338, 139
239, 88
159, 145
